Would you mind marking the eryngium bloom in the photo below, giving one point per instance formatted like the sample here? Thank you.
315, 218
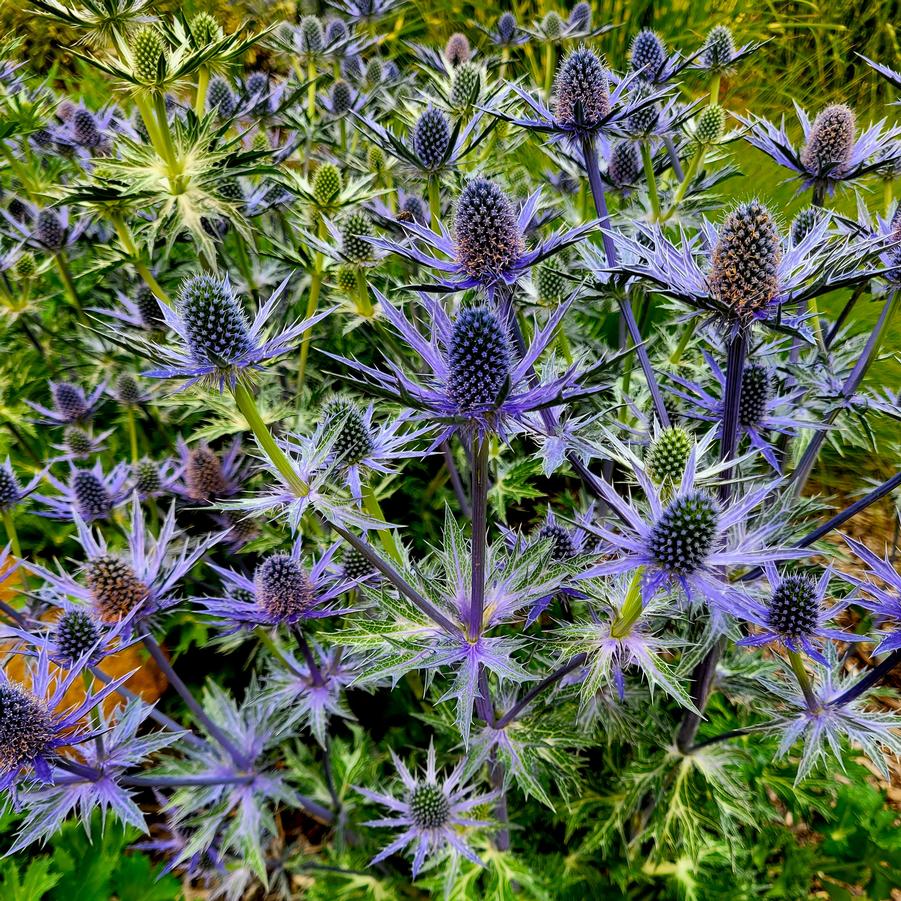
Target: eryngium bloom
457, 51
218, 345
478, 359
12, 493
432, 814
431, 138
719, 54
581, 91
744, 266
647, 53
830, 141
90, 493
70, 405
487, 249
879, 592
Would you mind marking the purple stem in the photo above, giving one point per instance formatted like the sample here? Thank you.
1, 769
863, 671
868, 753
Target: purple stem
456, 481
539, 687
846, 311
156, 652
805, 467
479, 534
869, 680
673, 158
307, 652
600, 205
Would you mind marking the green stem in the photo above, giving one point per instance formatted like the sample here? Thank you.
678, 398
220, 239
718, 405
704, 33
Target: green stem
364, 304
435, 203
311, 90
203, 80
132, 434
372, 506
631, 608
651, 179
563, 344
312, 304
150, 123
693, 168
69, 284
549, 57
797, 665
687, 335
11, 533
169, 154
248, 407
714, 88
131, 248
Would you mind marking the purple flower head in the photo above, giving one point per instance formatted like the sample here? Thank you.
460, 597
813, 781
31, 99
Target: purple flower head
795, 614
36, 724
12, 492
48, 229
718, 55
473, 381
140, 309
70, 404
90, 494
218, 345
690, 541
433, 814
506, 31
135, 584
457, 50
152, 479
78, 444
831, 154
206, 476
282, 592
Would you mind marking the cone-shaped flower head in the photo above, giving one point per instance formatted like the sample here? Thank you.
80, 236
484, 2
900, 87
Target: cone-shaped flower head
49, 230
26, 726
220, 97
10, 488
562, 544
326, 183
375, 159
204, 476
478, 359
668, 454
647, 53
357, 227
624, 168
77, 441
335, 31
355, 566
803, 224
84, 128
457, 50
353, 441
69, 402
76, 633
745, 261
312, 37
506, 27
711, 124
550, 285
581, 90
429, 806
642, 121
342, 97
374, 72
466, 86
26, 265
830, 142
580, 17
794, 608
115, 587
206, 29
719, 48
415, 208
553, 26
148, 52
283, 588
682, 537
487, 236
92, 499
216, 329
127, 390
149, 308
147, 479
756, 390
431, 137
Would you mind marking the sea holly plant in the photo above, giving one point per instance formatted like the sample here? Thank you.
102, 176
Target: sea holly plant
385, 518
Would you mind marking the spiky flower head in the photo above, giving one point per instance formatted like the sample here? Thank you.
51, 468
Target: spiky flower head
148, 308
683, 536
146, 476
10, 488
581, 90
553, 25
357, 227
127, 390
346, 279
415, 208
830, 141
77, 441
719, 49
487, 236
353, 441
624, 167
230, 189
457, 50
478, 359
431, 137
745, 261
550, 285
756, 390
355, 566
204, 476
335, 31
668, 454
76, 634
374, 72
261, 142
206, 29
92, 500
283, 588
466, 86
803, 224
375, 159
26, 726
580, 17
506, 27
69, 402
326, 183
85, 131
562, 545
26, 266
711, 125
794, 607
148, 53
312, 37
49, 231
115, 587
216, 329
642, 121
647, 53
429, 805
341, 96
220, 97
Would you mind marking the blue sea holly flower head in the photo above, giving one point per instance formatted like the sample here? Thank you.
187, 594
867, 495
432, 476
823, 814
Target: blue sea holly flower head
282, 592
764, 410
879, 592
833, 152
718, 54
137, 583
360, 11
12, 491
689, 540
139, 309
582, 103
473, 381
153, 478
206, 475
79, 444
90, 494
97, 785
217, 344
487, 249
795, 615
506, 32
434, 815
37, 724
652, 62
71, 406
49, 229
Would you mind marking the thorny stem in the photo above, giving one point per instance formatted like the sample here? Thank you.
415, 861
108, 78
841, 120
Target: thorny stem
479, 534
561, 671
868, 681
307, 651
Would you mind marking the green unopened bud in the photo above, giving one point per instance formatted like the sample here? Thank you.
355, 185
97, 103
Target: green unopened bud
346, 279
326, 183
552, 26
149, 55
261, 141
668, 454
711, 124
25, 265
550, 285
466, 86
375, 159
206, 29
